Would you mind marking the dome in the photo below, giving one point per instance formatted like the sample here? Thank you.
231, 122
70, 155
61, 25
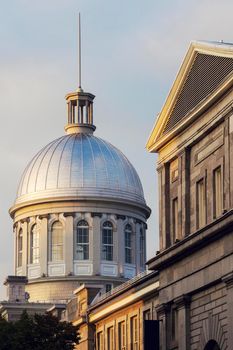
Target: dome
79, 166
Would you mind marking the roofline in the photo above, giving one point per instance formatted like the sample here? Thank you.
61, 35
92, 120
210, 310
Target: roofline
204, 47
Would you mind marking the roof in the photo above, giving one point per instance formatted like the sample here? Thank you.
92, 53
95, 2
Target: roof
79, 166
205, 74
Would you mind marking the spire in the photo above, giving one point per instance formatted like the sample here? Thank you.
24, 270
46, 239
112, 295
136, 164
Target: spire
79, 103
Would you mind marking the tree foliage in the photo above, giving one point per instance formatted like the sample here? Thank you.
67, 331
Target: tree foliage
37, 332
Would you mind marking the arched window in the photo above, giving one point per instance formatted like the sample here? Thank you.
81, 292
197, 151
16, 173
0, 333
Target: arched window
34, 245
82, 241
57, 241
142, 248
20, 248
128, 244
107, 241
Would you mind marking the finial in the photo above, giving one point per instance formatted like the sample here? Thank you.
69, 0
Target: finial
79, 103
79, 53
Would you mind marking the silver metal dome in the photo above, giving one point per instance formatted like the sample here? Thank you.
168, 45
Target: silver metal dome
79, 166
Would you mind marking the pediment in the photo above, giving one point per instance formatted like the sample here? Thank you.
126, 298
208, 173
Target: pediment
205, 68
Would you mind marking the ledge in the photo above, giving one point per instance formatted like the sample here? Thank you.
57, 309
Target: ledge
193, 242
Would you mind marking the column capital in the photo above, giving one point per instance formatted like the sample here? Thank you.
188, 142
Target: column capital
182, 301
99, 215
163, 309
43, 216
122, 217
228, 280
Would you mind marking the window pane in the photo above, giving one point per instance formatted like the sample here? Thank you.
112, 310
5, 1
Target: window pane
57, 241
128, 244
82, 241
34, 245
107, 241
20, 248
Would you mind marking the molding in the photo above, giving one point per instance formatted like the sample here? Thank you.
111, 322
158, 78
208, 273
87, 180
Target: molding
182, 301
163, 309
121, 217
228, 280
69, 214
189, 244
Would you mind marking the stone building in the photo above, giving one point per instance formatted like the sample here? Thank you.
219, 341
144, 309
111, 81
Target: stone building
193, 297
193, 137
80, 213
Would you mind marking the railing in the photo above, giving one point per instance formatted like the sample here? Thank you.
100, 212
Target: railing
121, 287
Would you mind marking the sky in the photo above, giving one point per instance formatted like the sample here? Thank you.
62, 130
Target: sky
131, 52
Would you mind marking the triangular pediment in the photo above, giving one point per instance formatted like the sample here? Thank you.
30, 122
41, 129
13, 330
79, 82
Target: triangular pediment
205, 68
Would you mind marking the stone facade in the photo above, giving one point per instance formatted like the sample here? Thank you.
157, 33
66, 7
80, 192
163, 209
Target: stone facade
195, 178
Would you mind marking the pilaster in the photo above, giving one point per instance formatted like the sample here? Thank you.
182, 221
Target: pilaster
44, 244
163, 316
121, 244
95, 244
182, 305
69, 239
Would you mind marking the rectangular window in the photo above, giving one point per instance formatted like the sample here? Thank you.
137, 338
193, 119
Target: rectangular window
121, 336
200, 204
134, 333
107, 245
100, 341
218, 195
175, 219
110, 338
82, 243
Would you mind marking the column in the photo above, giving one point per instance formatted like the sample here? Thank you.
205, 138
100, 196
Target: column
121, 244
228, 280
44, 244
162, 315
86, 119
95, 245
137, 246
182, 304
68, 240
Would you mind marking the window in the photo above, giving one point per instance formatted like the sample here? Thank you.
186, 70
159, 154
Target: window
121, 336
20, 248
200, 203
175, 219
217, 192
134, 333
107, 241
108, 287
110, 338
82, 241
34, 245
57, 241
128, 244
142, 248
100, 341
